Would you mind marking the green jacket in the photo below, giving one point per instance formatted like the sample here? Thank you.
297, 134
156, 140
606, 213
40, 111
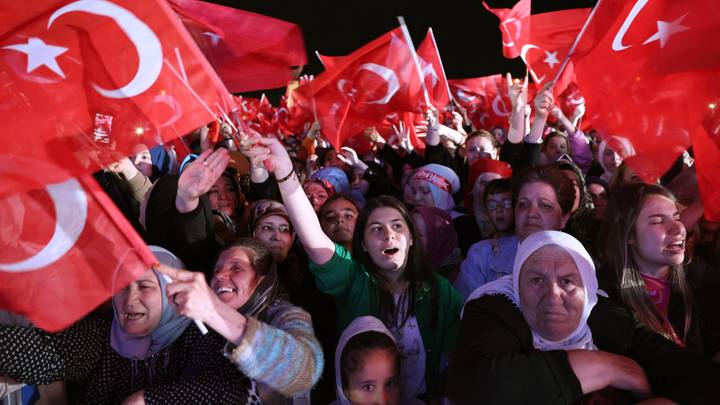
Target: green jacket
356, 293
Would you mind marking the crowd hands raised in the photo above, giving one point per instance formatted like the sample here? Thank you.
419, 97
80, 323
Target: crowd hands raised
526, 264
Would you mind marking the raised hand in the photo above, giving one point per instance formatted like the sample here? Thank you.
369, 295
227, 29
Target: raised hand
544, 101
350, 157
190, 292
270, 151
125, 167
198, 177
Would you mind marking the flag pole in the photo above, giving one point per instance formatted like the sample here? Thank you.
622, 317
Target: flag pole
575, 44
442, 67
410, 45
320, 59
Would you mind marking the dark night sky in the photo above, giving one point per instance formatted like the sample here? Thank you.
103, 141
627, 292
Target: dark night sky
467, 35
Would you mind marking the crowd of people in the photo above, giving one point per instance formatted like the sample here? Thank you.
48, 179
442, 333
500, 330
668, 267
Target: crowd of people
527, 264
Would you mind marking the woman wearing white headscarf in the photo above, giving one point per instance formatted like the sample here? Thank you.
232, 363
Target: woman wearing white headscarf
434, 185
543, 335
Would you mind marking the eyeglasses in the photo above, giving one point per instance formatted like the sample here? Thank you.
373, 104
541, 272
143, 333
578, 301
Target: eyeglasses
494, 206
271, 229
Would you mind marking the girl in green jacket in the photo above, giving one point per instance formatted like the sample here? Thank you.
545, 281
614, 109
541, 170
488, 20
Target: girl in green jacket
385, 276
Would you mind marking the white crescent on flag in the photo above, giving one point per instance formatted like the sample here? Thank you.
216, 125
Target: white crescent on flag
617, 44
388, 75
71, 206
518, 27
146, 43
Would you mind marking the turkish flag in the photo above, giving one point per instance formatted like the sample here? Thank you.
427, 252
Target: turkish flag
249, 51
85, 81
514, 26
328, 62
551, 36
661, 109
65, 250
485, 98
364, 87
433, 71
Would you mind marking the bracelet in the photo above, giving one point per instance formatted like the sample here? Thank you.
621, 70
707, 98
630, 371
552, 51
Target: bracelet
286, 178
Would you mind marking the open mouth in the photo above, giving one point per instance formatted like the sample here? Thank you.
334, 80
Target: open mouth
390, 251
676, 247
222, 290
131, 316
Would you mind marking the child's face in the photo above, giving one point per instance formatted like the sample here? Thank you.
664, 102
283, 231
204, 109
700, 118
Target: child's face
377, 381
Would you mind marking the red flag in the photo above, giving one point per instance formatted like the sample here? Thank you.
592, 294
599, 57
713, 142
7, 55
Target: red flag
86, 81
65, 250
630, 94
328, 62
433, 71
551, 36
485, 98
364, 87
249, 51
514, 26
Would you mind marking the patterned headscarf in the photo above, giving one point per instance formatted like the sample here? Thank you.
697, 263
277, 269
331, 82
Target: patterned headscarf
170, 327
443, 183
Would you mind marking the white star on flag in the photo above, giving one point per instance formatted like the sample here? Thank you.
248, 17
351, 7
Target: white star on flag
40, 54
551, 59
666, 30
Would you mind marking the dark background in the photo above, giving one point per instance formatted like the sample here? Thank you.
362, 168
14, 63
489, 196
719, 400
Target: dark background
467, 35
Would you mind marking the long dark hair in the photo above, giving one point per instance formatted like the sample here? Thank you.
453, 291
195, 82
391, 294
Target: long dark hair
618, 227
417, 272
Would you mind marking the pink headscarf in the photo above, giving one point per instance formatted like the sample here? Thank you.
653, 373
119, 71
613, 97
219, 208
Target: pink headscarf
442, 240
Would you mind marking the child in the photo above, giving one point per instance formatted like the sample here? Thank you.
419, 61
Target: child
367, 365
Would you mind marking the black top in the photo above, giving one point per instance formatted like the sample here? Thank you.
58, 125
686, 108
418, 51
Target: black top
495, 361
192, 370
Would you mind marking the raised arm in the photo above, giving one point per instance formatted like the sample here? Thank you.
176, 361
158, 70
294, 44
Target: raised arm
319, 248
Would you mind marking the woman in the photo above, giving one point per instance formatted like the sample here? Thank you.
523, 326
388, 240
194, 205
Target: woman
545, 329
554, 146
325, 183
367, 361
269, 340
609, 159
268, 222
144, 352
599, 191
543, 198
581, 224
434, 185
337, 219
440, 242
385, 276
642, 251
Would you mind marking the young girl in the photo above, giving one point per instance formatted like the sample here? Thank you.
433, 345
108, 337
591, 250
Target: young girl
386, 276
367, 365
643, 248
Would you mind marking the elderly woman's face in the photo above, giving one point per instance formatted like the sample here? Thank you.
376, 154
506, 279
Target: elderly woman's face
552, 294
139, 305
537, 209
235, 277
